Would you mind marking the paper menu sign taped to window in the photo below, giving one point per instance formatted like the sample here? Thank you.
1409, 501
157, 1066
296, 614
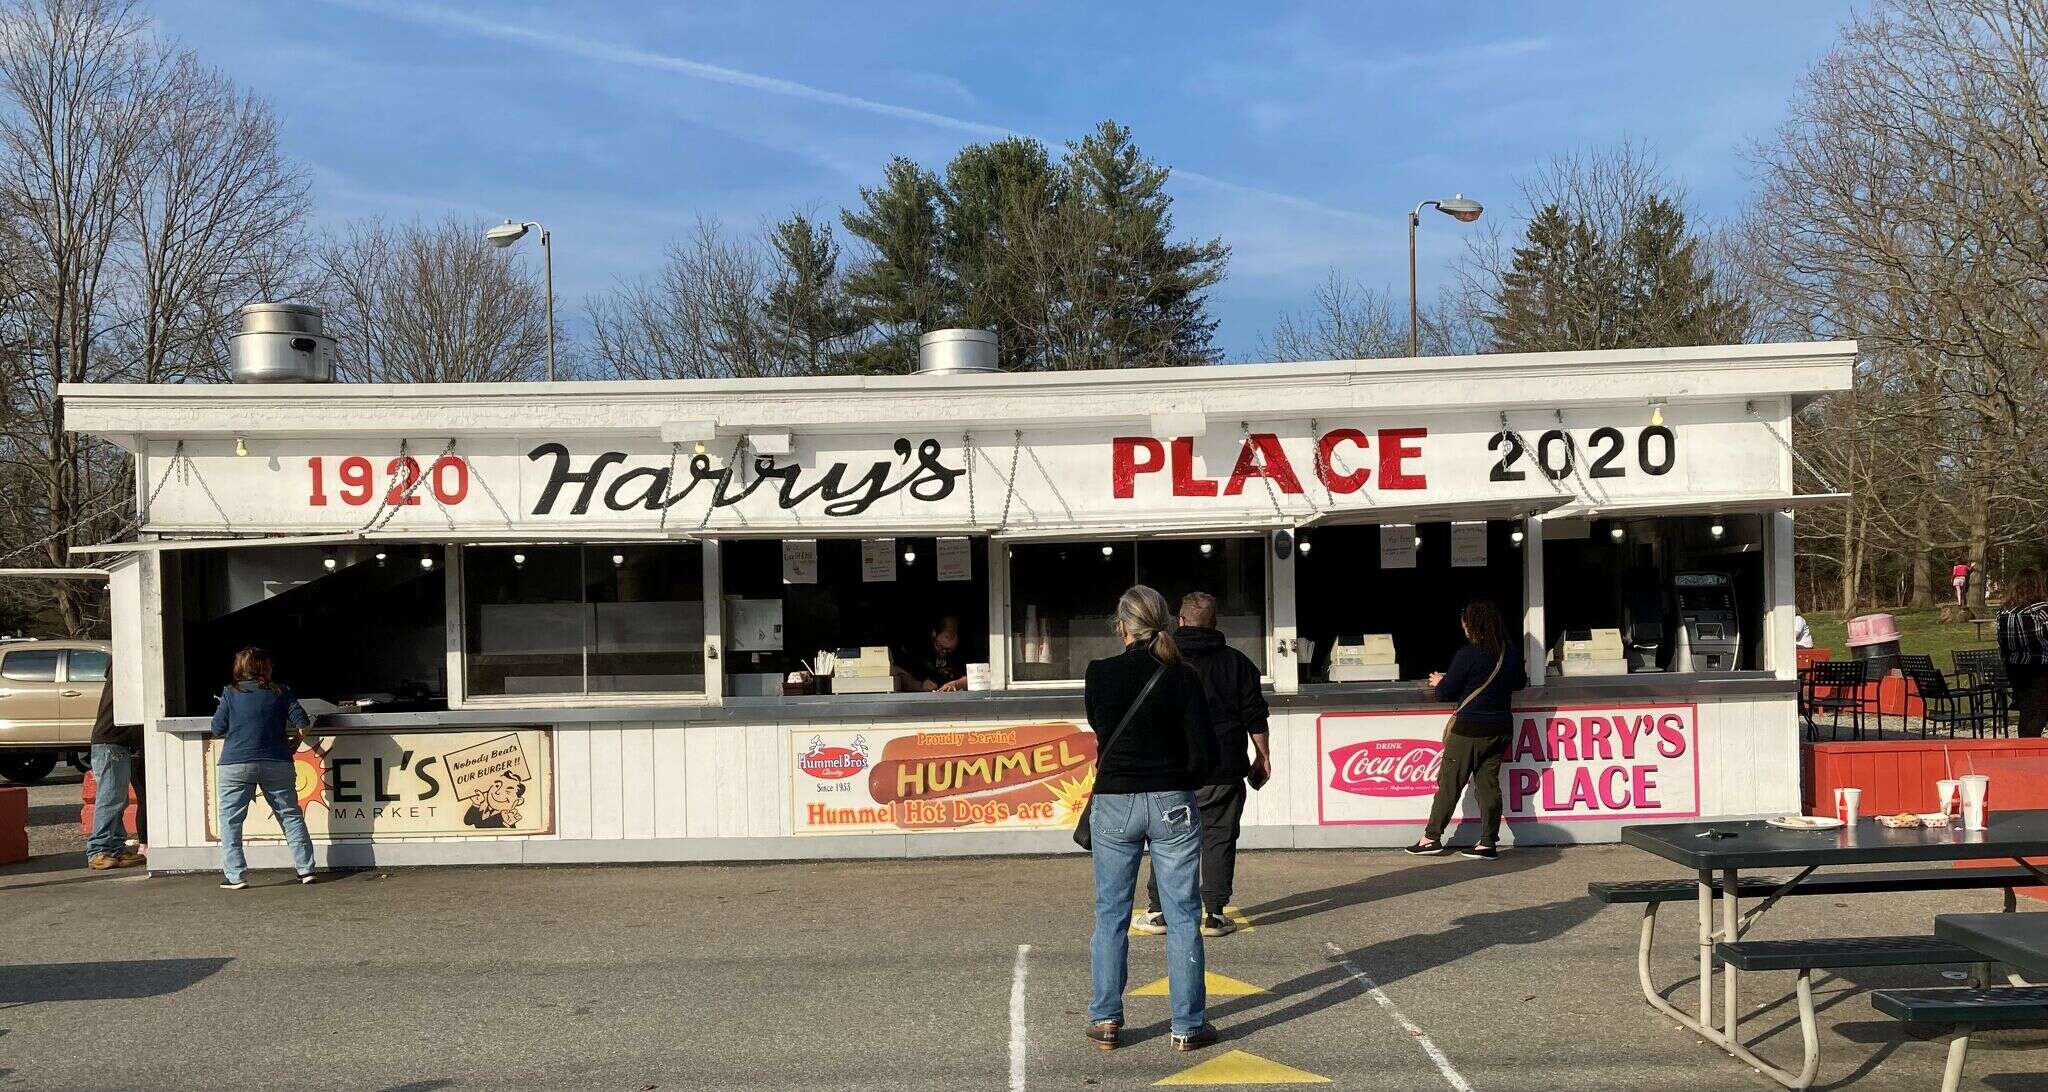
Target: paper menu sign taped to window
800, 561
877, 560
1468, 545
756, 624
1397, 545
956, 560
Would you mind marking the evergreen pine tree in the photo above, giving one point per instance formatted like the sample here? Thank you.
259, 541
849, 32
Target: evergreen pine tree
810, 322
901, 290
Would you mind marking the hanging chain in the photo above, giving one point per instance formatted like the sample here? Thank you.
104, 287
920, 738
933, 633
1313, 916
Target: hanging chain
477, 472
1530, 449
1016, 448
446, 515
1750, 408
967, 442
668, 485
1272, 492
738, 446
384, 494
411, 487
1571, 448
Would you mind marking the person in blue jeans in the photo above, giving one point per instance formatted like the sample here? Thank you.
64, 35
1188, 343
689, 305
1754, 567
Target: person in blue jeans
1156, 748
260, 721
116, 766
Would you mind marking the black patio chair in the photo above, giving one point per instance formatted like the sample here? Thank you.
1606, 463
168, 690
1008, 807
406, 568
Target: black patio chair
1832, 687
1983, 670
1943, 704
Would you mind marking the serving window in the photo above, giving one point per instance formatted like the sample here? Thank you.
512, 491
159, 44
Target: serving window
358, 626
1687, 593
786, 601
592, 619
1410, 582
1063, 596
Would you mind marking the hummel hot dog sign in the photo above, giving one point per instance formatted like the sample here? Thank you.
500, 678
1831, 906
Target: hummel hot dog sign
868, 781
934, 477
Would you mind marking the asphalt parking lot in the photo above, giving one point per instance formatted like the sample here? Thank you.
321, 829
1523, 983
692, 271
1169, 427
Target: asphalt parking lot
1372, 970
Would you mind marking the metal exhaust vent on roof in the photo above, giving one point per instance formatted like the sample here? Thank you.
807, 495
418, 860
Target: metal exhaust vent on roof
281, 343
956, 352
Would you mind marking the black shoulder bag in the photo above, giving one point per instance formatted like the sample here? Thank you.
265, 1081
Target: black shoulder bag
1083, 835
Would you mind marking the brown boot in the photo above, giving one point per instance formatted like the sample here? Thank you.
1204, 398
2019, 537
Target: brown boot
128, 858
1105, 1034
101, 863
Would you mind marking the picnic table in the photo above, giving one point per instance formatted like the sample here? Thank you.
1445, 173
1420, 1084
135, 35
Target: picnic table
2019, 941
1719, 853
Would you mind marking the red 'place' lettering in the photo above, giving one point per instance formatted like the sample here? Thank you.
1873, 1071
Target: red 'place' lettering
1394, 452
1124, 466
1261, 457
1185, 484
1326, 468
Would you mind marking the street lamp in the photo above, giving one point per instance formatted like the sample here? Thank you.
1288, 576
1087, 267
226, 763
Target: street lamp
511, 231
1458, 207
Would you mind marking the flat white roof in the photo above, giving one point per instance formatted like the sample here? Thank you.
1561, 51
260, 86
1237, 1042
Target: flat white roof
129, 413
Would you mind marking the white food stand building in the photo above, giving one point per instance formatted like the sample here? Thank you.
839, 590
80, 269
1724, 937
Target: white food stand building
556, 622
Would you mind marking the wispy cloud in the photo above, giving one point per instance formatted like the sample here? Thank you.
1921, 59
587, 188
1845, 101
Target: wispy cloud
591, 49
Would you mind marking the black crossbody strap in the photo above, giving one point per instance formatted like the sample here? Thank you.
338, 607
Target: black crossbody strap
1143, 693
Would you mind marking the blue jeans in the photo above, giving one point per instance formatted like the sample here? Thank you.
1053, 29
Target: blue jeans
113, 769
238, 782
1121, 825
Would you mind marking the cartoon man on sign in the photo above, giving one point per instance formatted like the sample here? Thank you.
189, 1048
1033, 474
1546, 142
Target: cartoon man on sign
497, 807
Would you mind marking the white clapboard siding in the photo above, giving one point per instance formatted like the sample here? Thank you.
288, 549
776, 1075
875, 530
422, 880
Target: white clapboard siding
572, 782
607, 784
671, 749
636, 780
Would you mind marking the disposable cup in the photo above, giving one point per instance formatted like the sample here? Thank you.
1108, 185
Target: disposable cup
1848, 805
1976, 793
1973, 816
1945, 790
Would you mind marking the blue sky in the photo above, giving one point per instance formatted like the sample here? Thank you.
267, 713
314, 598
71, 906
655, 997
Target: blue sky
1300, 134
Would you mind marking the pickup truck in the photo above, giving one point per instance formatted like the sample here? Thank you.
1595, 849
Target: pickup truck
49, 695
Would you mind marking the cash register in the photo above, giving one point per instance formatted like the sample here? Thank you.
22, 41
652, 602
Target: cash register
1589, 652
1708, 638
864, 670
1368, 658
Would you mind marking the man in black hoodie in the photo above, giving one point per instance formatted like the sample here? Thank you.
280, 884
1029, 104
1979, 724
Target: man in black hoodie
1237, 712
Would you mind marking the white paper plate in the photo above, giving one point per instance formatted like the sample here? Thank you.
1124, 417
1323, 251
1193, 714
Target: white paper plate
1805, 822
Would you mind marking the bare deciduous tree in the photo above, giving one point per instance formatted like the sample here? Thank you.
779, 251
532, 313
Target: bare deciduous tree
431, 303
1903, 204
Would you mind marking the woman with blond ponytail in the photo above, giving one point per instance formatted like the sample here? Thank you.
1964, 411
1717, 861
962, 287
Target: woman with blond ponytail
1154, 748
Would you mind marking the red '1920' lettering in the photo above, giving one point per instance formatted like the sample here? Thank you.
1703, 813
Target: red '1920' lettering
1261, 456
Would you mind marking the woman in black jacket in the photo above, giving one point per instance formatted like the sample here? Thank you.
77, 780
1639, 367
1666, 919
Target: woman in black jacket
1155, 748
1483, 678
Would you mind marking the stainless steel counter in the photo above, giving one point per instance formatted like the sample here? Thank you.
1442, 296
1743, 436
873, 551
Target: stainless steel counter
1020, 704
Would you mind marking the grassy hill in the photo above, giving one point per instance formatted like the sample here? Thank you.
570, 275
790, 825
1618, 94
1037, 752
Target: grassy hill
1921, 632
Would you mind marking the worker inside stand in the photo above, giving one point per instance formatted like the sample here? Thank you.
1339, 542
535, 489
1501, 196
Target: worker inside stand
933, 665
912, 611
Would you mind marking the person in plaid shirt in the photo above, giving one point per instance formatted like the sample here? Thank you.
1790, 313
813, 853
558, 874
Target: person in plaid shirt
2023, 645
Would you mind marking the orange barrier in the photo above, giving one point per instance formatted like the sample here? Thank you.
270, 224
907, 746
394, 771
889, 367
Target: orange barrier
13, 825
89, 792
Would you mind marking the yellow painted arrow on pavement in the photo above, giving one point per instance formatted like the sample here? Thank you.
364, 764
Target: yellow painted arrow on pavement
1242, 1067
1219, 985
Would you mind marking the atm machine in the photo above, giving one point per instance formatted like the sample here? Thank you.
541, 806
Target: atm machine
1367, 658
1708, 635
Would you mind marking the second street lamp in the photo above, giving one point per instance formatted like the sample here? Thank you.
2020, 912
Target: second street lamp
1458, 207
511, 231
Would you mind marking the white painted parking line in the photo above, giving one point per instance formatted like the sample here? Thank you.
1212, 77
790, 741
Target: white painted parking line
1017, 1033
1443, 1064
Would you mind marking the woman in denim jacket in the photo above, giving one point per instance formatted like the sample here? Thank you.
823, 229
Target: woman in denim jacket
261, 722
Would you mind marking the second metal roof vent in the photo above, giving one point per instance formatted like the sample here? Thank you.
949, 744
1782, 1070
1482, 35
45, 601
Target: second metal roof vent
956, 352
281, 343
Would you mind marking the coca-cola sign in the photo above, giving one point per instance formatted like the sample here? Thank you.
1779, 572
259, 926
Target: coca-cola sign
1387, 767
